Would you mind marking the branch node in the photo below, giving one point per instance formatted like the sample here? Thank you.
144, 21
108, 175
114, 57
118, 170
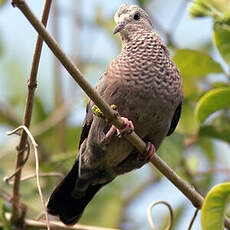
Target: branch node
31, 85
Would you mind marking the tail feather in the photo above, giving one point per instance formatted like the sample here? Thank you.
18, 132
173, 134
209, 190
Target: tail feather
61, 203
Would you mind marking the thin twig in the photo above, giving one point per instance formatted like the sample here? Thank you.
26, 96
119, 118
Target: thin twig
50, 174
36, 151
55, 225
32, 83
149, 214
193, 219
109, 113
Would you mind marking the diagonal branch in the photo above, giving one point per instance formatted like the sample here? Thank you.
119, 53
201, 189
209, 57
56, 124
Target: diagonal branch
109, 113
32, 83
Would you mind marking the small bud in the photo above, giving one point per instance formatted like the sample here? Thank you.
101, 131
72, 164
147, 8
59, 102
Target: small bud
97, 111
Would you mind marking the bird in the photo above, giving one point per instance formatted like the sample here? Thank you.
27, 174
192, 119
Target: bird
145, 85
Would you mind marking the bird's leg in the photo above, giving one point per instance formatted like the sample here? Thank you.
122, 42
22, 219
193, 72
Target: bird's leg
148, 153
127, 129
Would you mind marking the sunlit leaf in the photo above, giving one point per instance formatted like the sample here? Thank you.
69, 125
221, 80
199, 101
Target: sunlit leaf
200, 8
213, 209
222, 37
194, 63
221, 5
212, 101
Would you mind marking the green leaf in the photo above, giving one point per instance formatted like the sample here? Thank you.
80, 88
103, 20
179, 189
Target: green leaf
221, 133
212, 101
214, 206
188, 122
194, 63
200, 8
221, 5
222, 37
220, 84
171, 149
206, 145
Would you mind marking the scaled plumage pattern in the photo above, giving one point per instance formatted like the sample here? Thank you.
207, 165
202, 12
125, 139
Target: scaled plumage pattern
145, 85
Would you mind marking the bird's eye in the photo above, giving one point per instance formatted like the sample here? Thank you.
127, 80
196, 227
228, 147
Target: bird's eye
136, 16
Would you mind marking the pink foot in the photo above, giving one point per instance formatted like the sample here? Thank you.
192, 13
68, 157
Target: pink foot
148, 153
127, 129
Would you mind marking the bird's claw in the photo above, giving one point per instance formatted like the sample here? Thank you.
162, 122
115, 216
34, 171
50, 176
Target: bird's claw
148, 153
127, 129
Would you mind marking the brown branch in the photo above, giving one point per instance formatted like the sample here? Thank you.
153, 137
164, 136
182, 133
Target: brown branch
32, 83
109, 113
55, 225
59, 226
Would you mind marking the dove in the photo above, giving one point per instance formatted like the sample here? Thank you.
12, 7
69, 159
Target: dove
146, 87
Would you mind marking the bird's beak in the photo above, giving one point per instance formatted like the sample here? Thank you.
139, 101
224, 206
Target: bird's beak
118, 28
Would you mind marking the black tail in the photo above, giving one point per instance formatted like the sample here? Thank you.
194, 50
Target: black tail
61, 203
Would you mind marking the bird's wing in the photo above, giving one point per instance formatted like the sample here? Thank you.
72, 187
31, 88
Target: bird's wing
87, 123
175, 119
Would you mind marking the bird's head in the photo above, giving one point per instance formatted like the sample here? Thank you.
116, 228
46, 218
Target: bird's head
130, 19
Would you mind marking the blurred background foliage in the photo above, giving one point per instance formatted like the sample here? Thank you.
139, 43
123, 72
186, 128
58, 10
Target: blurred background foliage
197, 35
